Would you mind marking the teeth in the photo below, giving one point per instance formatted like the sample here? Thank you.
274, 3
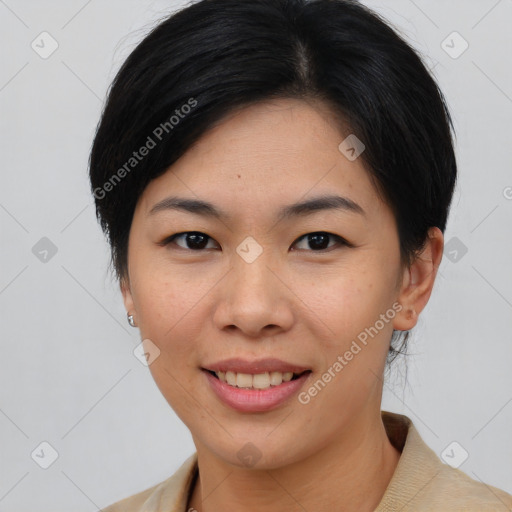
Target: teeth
258, 381
276, 378
243, 380
261, 381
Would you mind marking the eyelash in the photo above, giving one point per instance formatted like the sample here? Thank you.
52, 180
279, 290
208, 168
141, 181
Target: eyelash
341, 241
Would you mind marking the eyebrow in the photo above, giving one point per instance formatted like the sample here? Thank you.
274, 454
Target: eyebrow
303, 208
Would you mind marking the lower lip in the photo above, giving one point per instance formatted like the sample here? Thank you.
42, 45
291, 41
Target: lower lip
255, 400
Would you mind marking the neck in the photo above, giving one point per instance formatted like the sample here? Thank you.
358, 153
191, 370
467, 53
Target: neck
349, 474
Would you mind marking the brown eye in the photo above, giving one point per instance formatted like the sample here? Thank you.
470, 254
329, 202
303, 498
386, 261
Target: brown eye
319, 241
191, 240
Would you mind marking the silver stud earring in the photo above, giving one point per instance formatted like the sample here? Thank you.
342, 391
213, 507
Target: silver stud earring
130, 320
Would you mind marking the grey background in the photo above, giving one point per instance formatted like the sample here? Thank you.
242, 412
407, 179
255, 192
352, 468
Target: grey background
68, 373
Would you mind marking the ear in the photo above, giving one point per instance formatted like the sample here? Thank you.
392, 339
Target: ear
129, 305
418, 281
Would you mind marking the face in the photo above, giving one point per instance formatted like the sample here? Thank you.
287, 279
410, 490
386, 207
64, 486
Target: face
304, 288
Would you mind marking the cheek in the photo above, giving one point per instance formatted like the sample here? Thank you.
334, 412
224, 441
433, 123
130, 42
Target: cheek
351, 301
169, 315
163, 293
359, 316
162, 315
173, 308
354, 354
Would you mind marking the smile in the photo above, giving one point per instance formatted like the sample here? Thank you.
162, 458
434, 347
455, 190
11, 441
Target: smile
251, 393
257, 381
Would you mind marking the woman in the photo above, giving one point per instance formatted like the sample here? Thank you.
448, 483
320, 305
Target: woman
236, 137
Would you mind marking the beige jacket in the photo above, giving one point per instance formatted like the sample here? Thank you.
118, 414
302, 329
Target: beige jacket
421, 482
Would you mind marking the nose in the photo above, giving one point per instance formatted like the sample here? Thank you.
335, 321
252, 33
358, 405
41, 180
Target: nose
254, 299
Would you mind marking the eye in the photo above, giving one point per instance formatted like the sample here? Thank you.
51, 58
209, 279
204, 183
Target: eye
193, 240
319, 240
197, 241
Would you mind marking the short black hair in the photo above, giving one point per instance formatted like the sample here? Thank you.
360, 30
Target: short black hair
216, 56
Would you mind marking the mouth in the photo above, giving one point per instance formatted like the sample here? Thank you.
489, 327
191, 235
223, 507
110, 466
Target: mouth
257, 392
260, 381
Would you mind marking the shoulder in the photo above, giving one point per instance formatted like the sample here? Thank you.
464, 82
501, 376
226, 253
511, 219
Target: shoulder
421, 482
452, 489
135, 502
169, 496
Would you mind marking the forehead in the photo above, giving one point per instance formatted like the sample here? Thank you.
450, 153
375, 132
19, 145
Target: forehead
272, 153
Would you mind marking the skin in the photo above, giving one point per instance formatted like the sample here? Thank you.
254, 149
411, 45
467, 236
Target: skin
294, 302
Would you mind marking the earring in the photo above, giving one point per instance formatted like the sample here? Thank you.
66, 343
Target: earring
131, 320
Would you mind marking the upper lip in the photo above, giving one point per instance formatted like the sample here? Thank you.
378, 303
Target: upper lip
238, 365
